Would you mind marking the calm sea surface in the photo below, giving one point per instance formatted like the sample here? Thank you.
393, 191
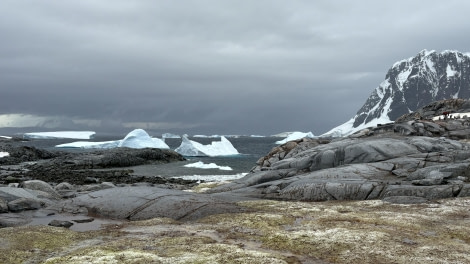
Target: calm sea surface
251, 149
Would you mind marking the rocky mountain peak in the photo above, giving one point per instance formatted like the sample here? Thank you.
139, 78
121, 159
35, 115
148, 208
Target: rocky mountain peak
411, 84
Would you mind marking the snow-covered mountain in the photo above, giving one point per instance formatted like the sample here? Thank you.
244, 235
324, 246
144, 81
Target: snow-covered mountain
410, 84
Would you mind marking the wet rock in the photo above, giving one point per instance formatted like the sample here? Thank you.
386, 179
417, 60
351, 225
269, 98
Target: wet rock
13, 219
59, 223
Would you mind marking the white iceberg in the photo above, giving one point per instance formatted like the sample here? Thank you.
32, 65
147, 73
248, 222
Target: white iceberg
5, 137
216, 148
60, 134
202, 165
137, 138
4, 154
295, 136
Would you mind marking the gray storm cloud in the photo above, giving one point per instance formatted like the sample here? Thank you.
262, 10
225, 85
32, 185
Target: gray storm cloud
257, 67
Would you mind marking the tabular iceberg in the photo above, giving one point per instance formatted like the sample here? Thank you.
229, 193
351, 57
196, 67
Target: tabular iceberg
295, 136
60, 134
137, 138
216, 148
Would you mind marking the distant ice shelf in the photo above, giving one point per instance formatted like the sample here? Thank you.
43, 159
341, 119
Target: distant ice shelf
60, 134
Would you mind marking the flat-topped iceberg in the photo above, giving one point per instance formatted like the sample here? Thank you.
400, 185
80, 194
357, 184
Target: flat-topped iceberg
202, 165
295, 136
60, 134
216, 148
137, 138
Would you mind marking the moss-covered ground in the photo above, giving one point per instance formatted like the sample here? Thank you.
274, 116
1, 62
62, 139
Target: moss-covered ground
270, 232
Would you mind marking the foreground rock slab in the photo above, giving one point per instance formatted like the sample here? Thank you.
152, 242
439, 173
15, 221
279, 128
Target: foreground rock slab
145, 202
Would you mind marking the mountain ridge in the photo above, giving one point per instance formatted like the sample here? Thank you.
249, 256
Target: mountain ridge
410, 84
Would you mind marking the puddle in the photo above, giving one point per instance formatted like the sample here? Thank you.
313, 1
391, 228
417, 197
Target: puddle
81, 223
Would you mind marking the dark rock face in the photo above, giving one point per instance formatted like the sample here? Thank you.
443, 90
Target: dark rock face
363, 168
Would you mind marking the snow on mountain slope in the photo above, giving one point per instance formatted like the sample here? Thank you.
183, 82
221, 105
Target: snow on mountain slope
410, 84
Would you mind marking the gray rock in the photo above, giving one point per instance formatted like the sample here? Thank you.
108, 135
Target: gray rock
40, 186
22, 204
138, 203
3, 206
13, 219
59, 223
363, 168
63, 186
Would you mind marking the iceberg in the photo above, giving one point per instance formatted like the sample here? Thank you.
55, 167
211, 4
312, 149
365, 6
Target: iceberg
202, 165
5, 137
4, 154
60, 134
216, 148
137, 138
295, 136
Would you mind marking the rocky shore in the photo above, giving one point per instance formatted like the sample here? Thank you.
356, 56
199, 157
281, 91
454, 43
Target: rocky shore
396, 193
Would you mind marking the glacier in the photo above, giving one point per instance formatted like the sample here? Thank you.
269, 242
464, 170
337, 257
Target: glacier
216, 148
60, 134
202, 165
295, 136
138, 138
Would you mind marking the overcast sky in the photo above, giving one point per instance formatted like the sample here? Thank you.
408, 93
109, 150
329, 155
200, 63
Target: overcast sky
209, 66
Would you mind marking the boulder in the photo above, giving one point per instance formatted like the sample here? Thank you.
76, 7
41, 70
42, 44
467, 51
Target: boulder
22, 204
40, 186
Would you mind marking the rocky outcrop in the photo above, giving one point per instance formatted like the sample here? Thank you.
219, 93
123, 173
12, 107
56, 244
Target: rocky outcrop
363, 169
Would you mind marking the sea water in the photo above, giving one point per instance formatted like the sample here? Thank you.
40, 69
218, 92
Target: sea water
250, 149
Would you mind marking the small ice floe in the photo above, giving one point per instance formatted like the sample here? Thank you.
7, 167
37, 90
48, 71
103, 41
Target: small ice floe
212, 178
4, 154
202, 165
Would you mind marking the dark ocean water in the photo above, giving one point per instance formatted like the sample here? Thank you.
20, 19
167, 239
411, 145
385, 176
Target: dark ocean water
251, 149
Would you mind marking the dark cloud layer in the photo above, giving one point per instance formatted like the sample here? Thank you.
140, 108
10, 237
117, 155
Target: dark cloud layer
239, 67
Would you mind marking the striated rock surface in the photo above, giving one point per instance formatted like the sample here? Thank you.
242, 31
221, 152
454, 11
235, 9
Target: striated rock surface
361, 169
